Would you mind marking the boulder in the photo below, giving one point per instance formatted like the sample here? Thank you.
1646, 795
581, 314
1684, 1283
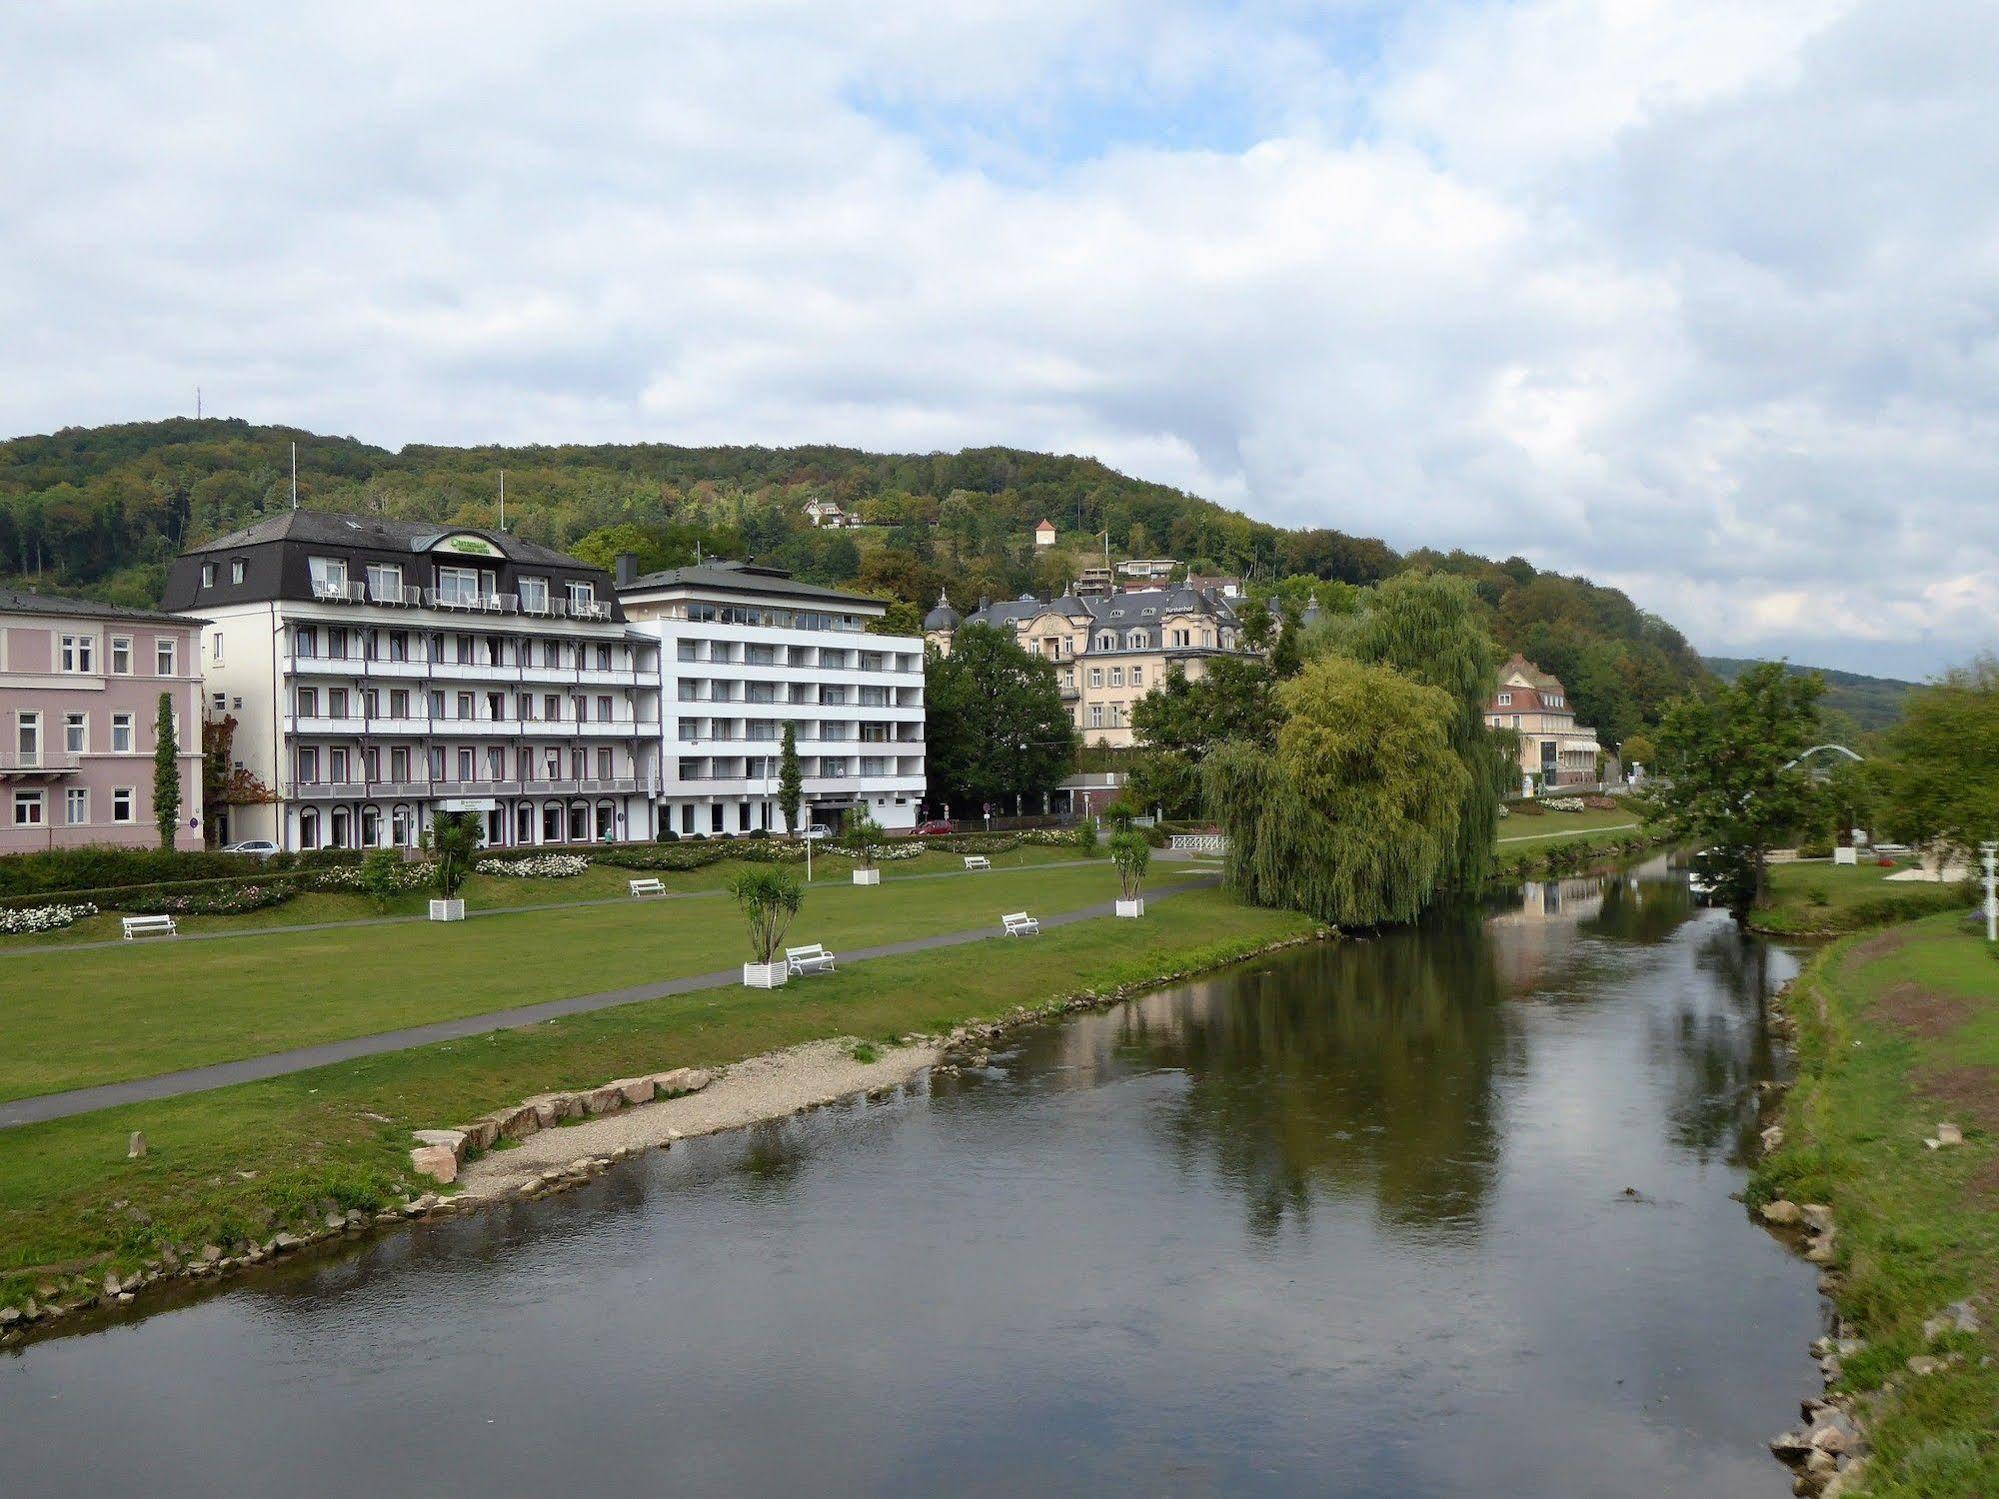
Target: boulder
603, 1100
1923, 1363
284, 1242
481, 1133
552, 1108
210, 1253
136, 1146
1949, 1134
1817, 1216
416, 1207
635, 1089
452, 1140
517, 1122
1773, 1138
1782, 1213
438, 1162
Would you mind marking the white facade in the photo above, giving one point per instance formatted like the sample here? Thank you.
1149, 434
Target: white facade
743, 651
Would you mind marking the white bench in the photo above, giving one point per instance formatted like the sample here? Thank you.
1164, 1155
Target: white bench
149, 926
804, 960
1020, 924
977, 861
647, 887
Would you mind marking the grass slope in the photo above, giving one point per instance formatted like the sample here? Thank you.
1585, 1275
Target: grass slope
1817, 900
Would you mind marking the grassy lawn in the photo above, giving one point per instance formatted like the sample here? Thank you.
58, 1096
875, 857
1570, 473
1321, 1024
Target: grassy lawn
1518, 829
76, 1018
1816, 899
1899, 1030
71, 1204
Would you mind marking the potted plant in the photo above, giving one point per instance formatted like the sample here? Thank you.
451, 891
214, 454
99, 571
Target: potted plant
453, 840
770, 896
1131, 854
859, 838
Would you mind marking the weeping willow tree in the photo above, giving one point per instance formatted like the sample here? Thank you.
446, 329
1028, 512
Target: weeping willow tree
1354, 815
1430, 628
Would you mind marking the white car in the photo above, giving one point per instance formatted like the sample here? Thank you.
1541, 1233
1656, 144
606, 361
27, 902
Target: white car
262, 848
817, 833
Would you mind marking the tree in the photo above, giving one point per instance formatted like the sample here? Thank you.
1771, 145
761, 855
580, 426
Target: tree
453, 841
1352, 817
860, 835
1191, 716
1943, 781
1165, 779
769, 896
1638, 749
995, 725
166, 772
1254, 617
902, 618
790, 780
1131, 854
1430, 628
1288, 655
1725, 780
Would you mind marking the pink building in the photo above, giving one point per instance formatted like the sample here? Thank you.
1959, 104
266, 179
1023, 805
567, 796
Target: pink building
80, 686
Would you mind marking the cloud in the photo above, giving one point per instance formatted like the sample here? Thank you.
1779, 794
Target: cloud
1697, 297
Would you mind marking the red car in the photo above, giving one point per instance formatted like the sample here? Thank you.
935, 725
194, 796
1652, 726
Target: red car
937, 827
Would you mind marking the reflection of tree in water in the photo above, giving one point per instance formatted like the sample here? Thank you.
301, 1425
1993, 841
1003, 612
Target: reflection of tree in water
1640, 910
1362, 1068
1710, 1039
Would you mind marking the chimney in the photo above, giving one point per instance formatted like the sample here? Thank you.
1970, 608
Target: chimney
627, 565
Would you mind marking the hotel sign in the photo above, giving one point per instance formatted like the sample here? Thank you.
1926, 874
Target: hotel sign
469, 546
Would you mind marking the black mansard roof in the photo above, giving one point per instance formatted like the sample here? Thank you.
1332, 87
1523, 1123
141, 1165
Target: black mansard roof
746, 578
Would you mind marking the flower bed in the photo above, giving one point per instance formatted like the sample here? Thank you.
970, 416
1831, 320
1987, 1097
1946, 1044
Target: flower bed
535, 867
232, 900
1562, 803
32, 919
353, 879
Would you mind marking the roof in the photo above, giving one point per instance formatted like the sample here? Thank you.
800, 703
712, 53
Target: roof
743, 577
1145, 606
378, 532
1520, 666
1045, 525
23, 601
943, 616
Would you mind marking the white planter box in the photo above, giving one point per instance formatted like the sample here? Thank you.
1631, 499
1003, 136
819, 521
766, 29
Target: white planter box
1131, 907
867, 877
765, 975
447, 910
1846, 856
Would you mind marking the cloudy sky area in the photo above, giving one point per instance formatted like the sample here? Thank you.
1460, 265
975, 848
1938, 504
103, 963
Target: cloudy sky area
1700, 297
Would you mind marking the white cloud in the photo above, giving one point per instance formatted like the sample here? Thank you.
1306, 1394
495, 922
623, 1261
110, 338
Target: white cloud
1698, 297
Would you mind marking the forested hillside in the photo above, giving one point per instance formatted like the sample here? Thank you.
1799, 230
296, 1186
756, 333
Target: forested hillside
101, 510
1870, 703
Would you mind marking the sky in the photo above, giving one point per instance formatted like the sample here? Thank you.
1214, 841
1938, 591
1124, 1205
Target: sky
1698, 297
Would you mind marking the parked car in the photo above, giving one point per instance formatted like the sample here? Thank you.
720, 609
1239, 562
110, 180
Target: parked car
262, 848
817, 833
936, 827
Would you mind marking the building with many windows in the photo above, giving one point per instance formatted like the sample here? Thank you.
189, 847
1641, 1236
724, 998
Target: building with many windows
1555, 751
383, 671
80, 687
1109, 649
743, 651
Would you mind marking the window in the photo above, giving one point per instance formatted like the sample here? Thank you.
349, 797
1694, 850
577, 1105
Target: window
215, 647
1135, 641
581, 595
308, 829
238, 568
1096, 676
604, 709
308, 702
329, 576
308, 765
305, 642
336, 702
163, 657
385, 582
221, 702
75, 733
457, 585
603, 658
1107, 641
76, 806
121, 804
1138, 676
1096, 715
79, 653
1117, 676
121, 733
28, 738
208, 575
121, 655
1505, 699
399, 702
27, 809
534, 595
336, 766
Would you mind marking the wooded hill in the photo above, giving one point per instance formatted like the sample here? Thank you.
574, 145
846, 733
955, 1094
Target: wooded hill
1871, 703
101, 510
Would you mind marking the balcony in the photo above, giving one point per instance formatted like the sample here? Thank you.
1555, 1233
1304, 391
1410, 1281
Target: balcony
40, 766
420, 790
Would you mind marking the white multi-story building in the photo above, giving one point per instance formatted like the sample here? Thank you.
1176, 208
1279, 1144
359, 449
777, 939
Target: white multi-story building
744, 650
383, 671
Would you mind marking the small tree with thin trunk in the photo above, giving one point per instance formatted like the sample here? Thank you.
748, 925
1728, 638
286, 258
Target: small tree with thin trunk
1131, 854
453, 837
790, 781
770, 897
860, 836
166, 772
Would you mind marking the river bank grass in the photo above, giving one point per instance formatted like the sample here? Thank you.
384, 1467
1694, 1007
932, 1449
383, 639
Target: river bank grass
1898, 1031
240, 1164
1823, 899
81, 1018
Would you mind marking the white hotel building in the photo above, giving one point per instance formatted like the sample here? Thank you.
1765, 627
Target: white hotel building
383, 671
743, 650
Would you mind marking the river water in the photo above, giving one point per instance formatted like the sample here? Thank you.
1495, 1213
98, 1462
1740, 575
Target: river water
1351, 1220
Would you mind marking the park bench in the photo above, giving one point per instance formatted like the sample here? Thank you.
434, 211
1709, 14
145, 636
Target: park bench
149, 926
1020, 924
804, 960
977, 861
647, 887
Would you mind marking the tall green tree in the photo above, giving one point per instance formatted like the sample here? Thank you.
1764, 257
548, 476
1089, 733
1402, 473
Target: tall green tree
1190, 716
166, 772
995, 728
1943, 778
1726, 781
1431, 629
790, 780
1352, 817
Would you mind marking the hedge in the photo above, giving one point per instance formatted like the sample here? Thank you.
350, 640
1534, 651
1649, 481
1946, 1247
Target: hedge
61, 871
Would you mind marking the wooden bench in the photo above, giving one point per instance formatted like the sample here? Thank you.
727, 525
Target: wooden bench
1020, 924
149, 926
803, 960
977, 861
647, 887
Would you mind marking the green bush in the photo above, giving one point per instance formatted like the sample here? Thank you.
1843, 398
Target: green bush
1086, 836
63, 870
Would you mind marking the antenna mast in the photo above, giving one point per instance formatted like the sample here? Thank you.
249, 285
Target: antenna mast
294, 476
503, 499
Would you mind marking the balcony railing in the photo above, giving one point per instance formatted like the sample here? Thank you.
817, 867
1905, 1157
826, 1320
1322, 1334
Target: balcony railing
420, 790
42, 762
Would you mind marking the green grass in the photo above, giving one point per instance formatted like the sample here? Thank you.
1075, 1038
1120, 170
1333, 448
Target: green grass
1519, 830
78, 1018
1916, 1229
70, 1204
1818, 899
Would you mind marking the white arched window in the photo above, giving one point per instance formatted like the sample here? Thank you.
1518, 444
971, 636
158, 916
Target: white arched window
308, 829
1135, 641
1107, 641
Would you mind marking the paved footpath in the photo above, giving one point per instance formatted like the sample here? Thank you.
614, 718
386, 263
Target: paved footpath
280, 1063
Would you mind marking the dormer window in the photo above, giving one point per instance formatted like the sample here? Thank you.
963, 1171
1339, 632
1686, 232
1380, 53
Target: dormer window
1107, 641
238, 569
581, 595
1135, 641
385, 582
208, 575
1505, 699
329, 577
534, 595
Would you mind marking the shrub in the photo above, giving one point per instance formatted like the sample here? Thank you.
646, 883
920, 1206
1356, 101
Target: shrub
672, 857
33, 919
1525, 809
769, 898
63, 870
535, 867
1562, 803
382, 874
1599, 803
1086, 836
220, 900
391, 873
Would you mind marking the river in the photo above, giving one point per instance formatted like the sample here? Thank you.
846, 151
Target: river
1350, 1220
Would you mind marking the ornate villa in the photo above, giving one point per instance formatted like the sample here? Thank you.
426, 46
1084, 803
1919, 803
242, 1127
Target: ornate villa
1555, 751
